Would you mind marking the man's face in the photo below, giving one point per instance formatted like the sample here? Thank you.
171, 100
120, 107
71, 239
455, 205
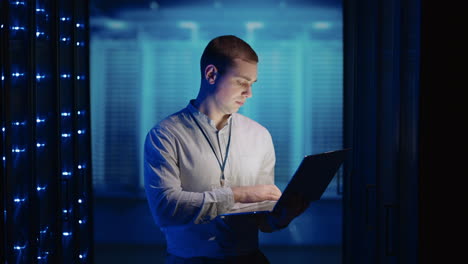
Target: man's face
235, 86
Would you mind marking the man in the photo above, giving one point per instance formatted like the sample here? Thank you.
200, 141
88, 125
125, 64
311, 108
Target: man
206, 157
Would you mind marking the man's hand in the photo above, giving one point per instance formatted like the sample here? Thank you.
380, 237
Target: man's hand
256, 193
280, 219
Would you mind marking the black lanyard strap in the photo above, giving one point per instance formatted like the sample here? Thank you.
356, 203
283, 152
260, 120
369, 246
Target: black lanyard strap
223, 164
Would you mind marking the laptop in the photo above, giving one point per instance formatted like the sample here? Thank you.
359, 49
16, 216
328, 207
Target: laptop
310, 180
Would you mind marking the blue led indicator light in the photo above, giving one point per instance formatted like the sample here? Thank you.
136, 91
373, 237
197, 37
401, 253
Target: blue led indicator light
19, 247
17, 74
17, 150
18, 123
17, 28
18, 3
19, 200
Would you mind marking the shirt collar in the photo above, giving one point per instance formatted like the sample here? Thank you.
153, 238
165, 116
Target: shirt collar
204, 118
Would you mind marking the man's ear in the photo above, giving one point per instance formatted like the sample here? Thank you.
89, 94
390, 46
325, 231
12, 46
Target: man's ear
211, 74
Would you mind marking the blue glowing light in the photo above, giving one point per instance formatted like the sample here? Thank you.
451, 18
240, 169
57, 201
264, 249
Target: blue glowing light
79, 44
40, 145
65, 19
66, 114
66, 173
19, 247
80, 77
39, 77
66, 135
39, 188
3, 77
64, 39
17, 28
80, 201
80, 132
65, 76
39, 33
66, 233
19, 200
81, 167
81, 112
19, 123
39, 120
40, 10
17, 74
44, 255
3, 129
79, 25
17, 150
18, 3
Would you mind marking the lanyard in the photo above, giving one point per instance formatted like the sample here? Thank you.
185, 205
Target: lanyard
223, 164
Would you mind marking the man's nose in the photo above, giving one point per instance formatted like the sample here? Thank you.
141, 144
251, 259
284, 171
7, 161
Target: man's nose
248, 92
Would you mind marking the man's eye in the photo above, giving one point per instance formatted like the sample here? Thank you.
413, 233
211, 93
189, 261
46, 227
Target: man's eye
243, 84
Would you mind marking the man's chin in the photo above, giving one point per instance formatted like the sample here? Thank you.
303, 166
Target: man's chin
233, 110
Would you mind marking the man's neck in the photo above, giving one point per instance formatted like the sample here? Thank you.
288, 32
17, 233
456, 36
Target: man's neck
208, 107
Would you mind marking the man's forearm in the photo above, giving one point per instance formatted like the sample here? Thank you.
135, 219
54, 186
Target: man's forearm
256, 193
